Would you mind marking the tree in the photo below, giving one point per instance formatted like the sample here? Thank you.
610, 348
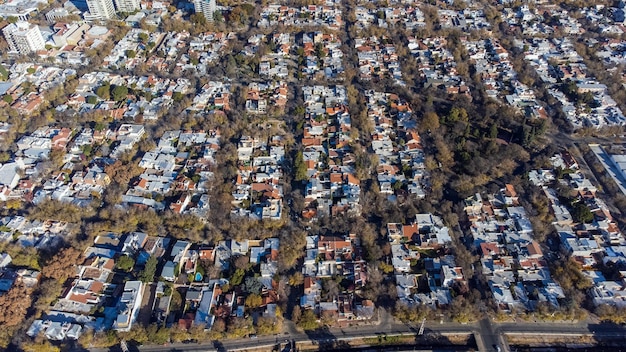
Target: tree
130, 53
493, 131
158, 335
119, 93
14, 305
462, 311
296, 279
308, 321
330, 289
217, 16
57, 210
242, 262
61, 266
149, 270
239, 327
254, 300
430, 121
177, 96
138, 334
581, 213
121, 173
300, 167
104, 91
92, 99
296, 314
611, 313
237, 277
100, 339
125, 263
143, 37
7, 98
266, 326
4, 74
253, 285
44, 346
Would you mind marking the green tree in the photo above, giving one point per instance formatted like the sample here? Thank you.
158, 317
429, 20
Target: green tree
237, 277
457, 114
300, 167
149, 270
177, 96
158, 335
253, 285
493, 131
254, 300
581, 213
119, 93
7, 98
217, 16
131, 54
104, 91
143, 37
92, 99
4, 74
125, 263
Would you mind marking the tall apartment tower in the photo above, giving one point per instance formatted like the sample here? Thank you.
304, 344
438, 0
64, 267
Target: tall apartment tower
23, 37
206, 7
101, 9
127, 5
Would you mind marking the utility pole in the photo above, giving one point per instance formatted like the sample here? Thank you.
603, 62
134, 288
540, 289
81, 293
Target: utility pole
421, 331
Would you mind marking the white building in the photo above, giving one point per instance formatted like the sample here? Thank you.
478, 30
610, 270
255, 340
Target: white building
21, 9
23, 37
206, 7
127, 5
100, 9
128, 305
54, 15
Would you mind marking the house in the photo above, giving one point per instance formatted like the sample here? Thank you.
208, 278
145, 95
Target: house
9, 174
179, 250
405, 285
128, 305
5, 259
134, 242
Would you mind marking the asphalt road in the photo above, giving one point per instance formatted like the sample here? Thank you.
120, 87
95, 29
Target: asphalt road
488, 334
488, 339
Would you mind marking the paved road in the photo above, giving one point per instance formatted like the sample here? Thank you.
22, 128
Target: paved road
488, 334
488, 339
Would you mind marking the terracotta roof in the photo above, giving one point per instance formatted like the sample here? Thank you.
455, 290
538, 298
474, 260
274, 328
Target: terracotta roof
409, 230
489, 248
534, 249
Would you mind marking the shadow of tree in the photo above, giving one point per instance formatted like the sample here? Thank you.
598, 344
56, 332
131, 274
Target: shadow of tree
609, 334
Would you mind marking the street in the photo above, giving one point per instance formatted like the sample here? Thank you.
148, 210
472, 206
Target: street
489, 335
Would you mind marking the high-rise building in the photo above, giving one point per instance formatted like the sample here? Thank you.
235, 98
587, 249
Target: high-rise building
206, 7
127, 5
23, 37
101, 9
